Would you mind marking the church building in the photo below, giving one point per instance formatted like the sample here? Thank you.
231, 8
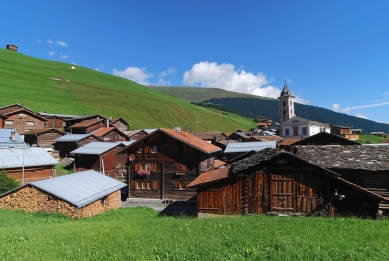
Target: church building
292, 125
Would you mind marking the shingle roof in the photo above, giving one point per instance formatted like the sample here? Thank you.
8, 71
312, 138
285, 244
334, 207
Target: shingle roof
249, 146
6, 142
211, 176
85, 123
81, 188
27, 157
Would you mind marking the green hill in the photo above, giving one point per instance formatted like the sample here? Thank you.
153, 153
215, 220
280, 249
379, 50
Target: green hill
252, 106
54, 87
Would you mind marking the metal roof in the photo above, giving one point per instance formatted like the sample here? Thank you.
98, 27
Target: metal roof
72, 137
57, 115
27, 157
96, 148
6, 142
81, 188
249, 146
149, 130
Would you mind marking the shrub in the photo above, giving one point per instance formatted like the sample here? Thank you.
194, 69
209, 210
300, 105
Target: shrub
7, 183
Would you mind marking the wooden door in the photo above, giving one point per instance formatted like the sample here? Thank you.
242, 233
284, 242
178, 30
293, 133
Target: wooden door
282, 193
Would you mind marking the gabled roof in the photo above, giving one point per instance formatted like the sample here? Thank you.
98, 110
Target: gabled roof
202, 135
96, 148
118, 119
211, 176
148, 131
86, 123
103, 130
216, 133
76, 137
241, 134
54, 115
6, 142
134, 132
296, 120
33, 114
86, 117
325, 136
27, 157
42, 131
249, 146
16, 105
289, 142
81, 188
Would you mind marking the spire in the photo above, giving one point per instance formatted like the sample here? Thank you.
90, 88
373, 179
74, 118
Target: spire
286, 91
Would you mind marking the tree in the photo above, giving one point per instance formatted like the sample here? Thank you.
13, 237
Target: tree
7, 183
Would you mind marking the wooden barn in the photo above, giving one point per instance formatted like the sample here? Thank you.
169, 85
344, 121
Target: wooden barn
120, 124
273, 181
87, 126
57, 121
79, 195
22, 120
136, 134
75, 120
110, 134
42, 137
70, 142
163, 164
27, 164
101, 156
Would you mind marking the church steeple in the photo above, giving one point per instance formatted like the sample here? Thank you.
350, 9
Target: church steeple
286, 104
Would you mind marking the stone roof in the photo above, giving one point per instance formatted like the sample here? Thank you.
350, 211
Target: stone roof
367, 157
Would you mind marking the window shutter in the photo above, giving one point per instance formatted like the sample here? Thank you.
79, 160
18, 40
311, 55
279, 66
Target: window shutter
180, 167
137, 167
134, 184
155, 185
153, 167
148, 149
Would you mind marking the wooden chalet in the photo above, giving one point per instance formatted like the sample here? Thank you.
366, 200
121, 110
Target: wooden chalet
57, 121
87, 126
163, 164
75, 120
110, 134
22, 120
79, 195
240, 136
344, 132
42, 137
136, 134
276, 182
120, 124
101, 156
12, 107
27, 164
70, 142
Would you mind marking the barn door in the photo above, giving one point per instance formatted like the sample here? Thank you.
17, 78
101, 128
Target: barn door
282, 193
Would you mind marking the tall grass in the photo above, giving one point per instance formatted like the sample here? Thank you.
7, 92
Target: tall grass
139, 234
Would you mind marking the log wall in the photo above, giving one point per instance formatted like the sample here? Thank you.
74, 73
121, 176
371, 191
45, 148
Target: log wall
31, 174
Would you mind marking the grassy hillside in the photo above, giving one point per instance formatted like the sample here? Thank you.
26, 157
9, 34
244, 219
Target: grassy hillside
29, 81
139, 234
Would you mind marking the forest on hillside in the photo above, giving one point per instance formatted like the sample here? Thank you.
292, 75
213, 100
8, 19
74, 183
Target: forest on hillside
254, 108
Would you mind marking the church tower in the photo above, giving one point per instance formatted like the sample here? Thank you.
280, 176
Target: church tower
286, 105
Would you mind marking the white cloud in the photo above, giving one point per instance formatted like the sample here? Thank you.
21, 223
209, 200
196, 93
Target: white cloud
139, 75
167, 72
62, 43
52, 53
360, 115
335, 107
227, 77
162, 82
64, 56
50, 41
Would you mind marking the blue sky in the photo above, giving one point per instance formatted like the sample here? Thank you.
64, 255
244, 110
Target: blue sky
333, 54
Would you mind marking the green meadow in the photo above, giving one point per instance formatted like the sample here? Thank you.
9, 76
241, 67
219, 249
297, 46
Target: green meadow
140, 234
53, 87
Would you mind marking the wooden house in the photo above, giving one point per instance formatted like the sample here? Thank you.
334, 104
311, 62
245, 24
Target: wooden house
79, 195
101, 156
110, 134
57, 121
27, 164
42, 137
70, 142
136, 134
12, 47
13, 107
9, 138
21, 120
162, 164
120, 124
273, 181
75, 120
87, 126
240, 135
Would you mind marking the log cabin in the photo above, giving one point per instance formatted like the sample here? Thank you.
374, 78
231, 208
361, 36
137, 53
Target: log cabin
162, 164
119, 123
79, 195
274, 181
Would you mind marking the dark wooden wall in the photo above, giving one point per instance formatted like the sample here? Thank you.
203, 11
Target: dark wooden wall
20, 122
42, 140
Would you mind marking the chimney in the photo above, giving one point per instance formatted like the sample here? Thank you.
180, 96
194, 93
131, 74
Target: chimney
13, 136
107, 122
177, 128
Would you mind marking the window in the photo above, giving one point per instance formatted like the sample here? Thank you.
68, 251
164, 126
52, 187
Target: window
180, 167
8, 122
286, 132
284, 112
304, 130
283, 103
154, 149
295, 132
146, 166
22, 115
30, 123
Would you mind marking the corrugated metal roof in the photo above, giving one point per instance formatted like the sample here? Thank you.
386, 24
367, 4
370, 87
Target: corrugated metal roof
249, 146
96, 148
72, 137
27, 157
81, 188
6, 142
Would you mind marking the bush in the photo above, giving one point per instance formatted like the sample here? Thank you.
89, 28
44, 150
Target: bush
7, 183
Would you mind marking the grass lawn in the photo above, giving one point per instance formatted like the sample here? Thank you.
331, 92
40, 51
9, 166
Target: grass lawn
363, 139
139, 234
